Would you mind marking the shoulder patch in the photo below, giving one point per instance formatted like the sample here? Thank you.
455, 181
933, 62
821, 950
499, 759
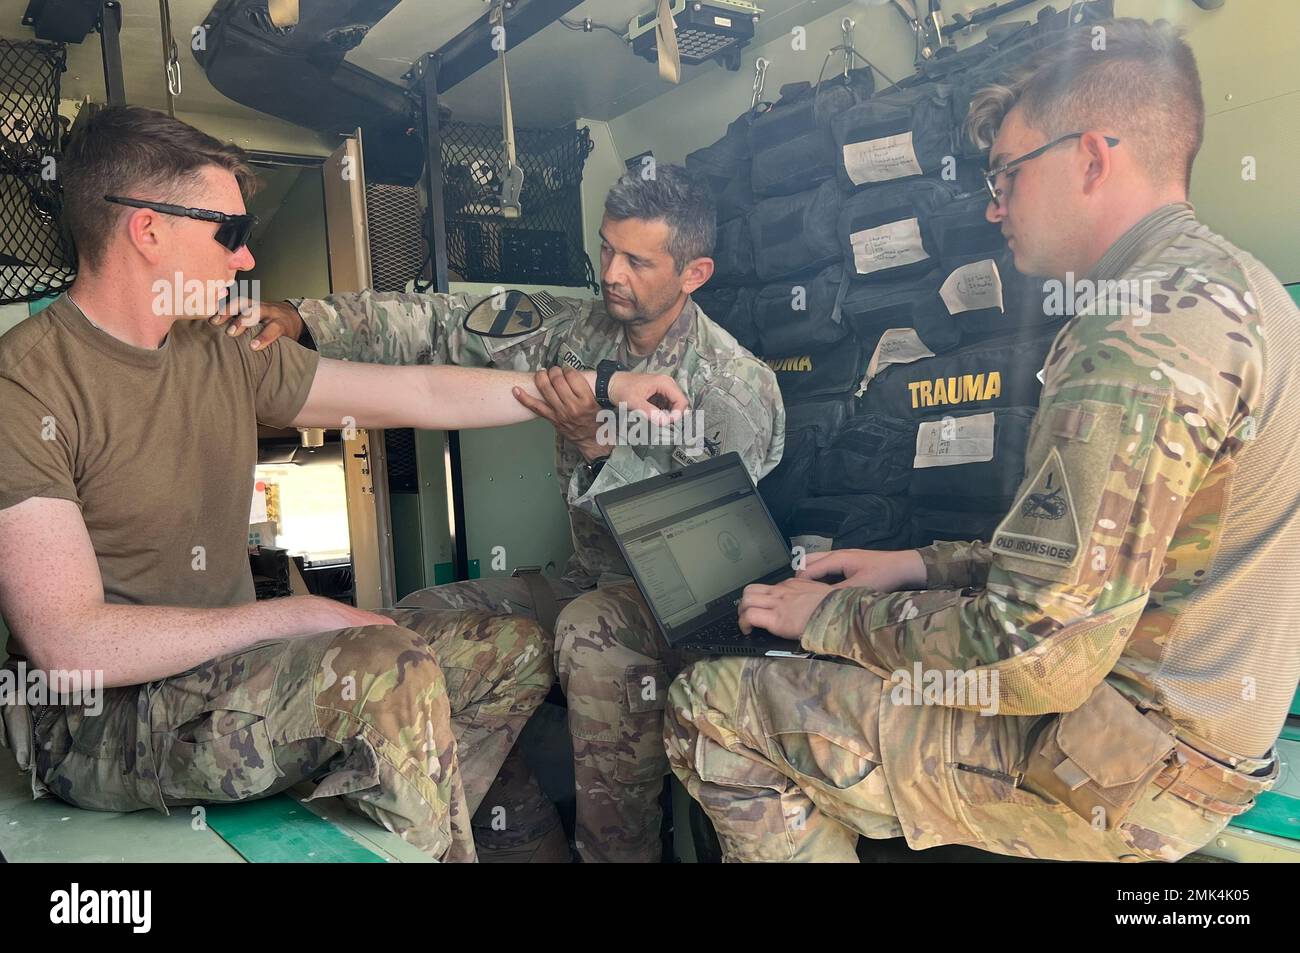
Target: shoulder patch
509, 314
1043, 524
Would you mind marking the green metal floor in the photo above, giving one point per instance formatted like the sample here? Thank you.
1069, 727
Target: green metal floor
279, 829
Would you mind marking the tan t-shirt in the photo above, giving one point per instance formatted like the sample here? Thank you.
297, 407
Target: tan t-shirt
157, 447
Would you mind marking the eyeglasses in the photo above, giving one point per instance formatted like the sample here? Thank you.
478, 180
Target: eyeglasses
232, 233
991, 176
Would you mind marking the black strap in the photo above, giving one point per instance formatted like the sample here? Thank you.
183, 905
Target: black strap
545, 605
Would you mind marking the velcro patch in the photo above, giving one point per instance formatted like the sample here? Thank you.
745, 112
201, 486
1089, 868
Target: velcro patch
572, 359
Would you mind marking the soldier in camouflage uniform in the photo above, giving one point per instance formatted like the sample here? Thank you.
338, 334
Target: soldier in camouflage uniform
612, 662
130, 430
1132, 616
407, 723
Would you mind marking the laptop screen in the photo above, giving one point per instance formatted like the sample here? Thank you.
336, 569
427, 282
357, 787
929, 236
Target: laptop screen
693, 543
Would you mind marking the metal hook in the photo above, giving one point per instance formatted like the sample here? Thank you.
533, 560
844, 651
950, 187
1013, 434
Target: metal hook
171, 54
846, 32
760, 77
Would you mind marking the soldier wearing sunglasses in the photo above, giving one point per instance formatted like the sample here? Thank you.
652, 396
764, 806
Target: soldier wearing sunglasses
130, 431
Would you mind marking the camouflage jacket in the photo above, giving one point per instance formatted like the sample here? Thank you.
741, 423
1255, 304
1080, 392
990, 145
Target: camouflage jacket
734, 394
1153, 541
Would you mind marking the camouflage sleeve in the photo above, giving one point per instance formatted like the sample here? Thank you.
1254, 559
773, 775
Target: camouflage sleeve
956, 564
404, 328
738, 410
1133, 415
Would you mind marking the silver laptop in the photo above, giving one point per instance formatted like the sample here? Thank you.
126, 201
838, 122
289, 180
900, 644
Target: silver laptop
694, 538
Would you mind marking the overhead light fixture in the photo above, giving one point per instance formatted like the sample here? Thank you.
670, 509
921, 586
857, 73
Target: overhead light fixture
706, 30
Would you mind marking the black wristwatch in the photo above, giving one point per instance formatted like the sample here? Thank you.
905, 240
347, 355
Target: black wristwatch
604, 371
595, 466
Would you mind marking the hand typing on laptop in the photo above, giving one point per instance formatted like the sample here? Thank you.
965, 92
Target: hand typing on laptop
783, 609
880, 570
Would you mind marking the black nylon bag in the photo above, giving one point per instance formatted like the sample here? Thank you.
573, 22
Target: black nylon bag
725, 167
870, 308
796, 234
979, 487
733, 309
902, 133
791, 143
829, 373
977, 377
783, 328
931, 525
1014, 50
809, 429
733, 254
1024, 306
862, 521
964, 237
884, 231
871, 454
962, 234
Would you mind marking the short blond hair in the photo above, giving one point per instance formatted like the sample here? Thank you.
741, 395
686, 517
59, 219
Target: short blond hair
1143, 83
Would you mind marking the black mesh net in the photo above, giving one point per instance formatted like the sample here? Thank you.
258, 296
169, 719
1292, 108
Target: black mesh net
35, 258
545, 244
396, 248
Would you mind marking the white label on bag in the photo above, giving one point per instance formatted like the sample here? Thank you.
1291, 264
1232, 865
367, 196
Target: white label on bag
813, 544
897, 346
954, 440
973, 287
891, 245
879, 160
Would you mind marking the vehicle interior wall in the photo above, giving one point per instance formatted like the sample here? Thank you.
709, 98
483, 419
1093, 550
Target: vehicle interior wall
1249, 112
1252, 111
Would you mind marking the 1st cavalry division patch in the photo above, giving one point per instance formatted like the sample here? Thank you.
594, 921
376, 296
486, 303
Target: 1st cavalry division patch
510, 314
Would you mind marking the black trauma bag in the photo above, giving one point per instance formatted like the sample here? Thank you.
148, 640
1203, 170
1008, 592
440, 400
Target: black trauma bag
870, 308
733, 309
724, 167
828, 373
991, 374
931, 525
809, 429
902, 133
884, 230
796, 234
733, 253
800, 313
861, 521
791, 143
970, 462
1011, 49
871, 454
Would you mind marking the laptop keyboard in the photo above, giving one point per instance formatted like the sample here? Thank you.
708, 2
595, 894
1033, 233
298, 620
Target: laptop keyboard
723, 630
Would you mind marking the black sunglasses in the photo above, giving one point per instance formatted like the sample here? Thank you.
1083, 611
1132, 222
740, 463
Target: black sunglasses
992, 174
232, 233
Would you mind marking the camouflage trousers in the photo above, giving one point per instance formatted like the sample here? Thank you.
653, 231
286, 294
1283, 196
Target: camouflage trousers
515, 822
407, 723
794, 759
614, 668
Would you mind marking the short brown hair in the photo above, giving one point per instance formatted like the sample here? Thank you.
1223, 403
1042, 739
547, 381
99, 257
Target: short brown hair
1144, 83
141, 153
